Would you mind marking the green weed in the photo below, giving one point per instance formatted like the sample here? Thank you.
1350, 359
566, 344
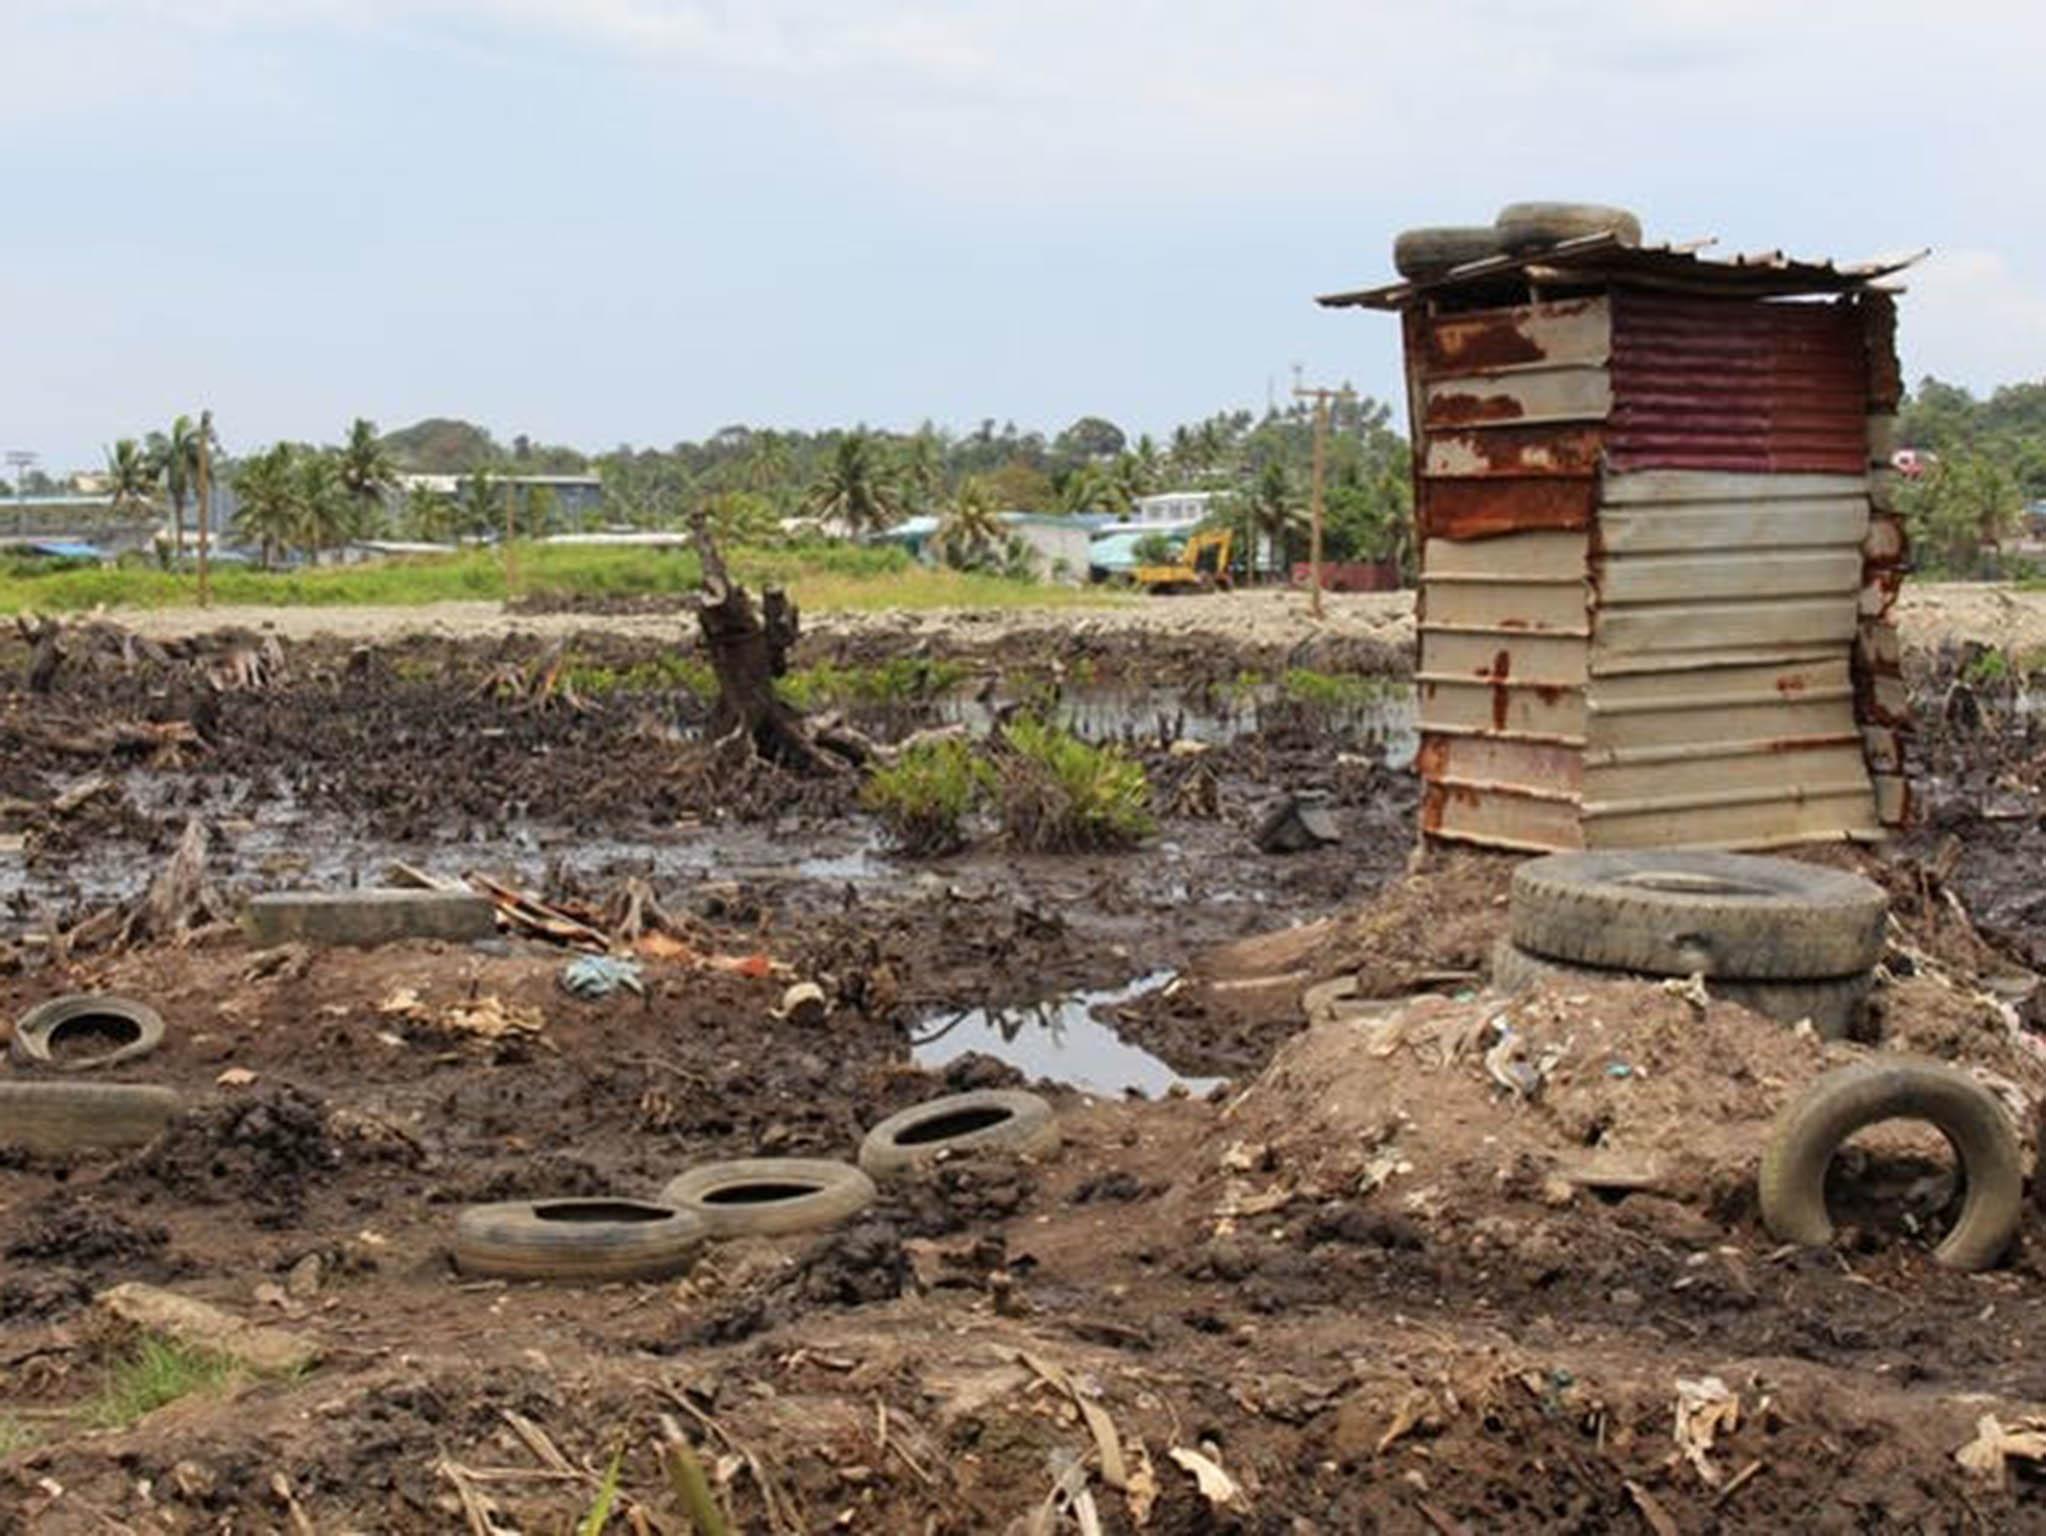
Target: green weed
159, 1371
14, 1435
599, 1514
819, 576
1057, 793
901, 680
1331, 690
670, 672
924, 797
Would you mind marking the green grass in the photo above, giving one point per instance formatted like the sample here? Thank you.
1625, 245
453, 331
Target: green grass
1060, 794
1332, 690
159, 1371
819, 576
671, 672
925, 795
14, 1435
903, 679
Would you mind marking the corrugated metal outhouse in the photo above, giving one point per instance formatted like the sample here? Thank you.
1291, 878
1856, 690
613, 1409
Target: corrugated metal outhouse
1659, 548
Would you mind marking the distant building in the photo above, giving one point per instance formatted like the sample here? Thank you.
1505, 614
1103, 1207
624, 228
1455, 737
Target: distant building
1172, 507
1058, 546
577, 498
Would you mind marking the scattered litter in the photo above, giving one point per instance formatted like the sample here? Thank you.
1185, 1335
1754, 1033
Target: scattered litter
235, 1077
804, 1004
489, 1017
591, 977
1507, 1062
1992, 1448
1619, 1069
1705, 1407
1691, 989
1216, 1486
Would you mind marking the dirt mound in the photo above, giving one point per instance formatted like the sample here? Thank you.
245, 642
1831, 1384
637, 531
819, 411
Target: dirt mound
265, 1151
1439, 1108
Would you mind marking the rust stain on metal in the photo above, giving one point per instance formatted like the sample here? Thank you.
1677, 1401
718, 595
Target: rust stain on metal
1457, 410
1535, 451
1792, 683
1466, 343
1486, 508
1502, 668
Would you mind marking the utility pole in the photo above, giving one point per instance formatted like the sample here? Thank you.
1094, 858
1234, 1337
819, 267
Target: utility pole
20, 460
511, 552
205, 476
1321, 398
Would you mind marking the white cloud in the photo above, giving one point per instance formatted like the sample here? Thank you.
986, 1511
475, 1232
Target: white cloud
1970, 319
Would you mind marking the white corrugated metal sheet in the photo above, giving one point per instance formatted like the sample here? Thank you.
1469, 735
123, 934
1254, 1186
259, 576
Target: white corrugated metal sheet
1720, 708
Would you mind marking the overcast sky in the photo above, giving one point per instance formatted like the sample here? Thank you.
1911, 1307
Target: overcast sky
598, 221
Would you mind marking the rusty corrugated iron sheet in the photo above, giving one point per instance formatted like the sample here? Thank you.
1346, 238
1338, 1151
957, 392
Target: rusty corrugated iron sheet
1765, 388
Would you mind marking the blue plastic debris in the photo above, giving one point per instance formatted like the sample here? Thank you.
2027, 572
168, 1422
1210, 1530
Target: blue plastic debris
591, 977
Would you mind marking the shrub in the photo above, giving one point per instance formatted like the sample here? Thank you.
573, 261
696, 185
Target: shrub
925, 795
1060, 794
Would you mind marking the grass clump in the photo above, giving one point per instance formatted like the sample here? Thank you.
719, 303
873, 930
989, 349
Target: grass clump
1057, 793
1331, 690
14, 1435
899, 680
924, 797
670, 672
159, 1371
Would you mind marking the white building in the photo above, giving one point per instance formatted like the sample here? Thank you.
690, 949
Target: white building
1171, 507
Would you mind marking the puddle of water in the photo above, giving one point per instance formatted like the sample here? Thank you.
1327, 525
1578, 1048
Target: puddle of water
1386, 719
1060, 1041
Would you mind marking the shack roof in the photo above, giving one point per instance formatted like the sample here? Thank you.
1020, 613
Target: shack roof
1601, 261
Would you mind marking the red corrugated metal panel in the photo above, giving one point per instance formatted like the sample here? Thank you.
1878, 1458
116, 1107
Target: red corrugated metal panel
1766, 387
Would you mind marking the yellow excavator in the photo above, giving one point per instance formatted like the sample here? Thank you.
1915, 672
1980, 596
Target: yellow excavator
1202, 566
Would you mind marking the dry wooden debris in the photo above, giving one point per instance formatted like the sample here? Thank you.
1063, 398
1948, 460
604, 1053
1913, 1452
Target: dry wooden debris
1988, 1455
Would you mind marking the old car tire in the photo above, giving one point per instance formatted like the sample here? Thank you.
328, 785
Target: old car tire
763, 1196
1524, 227
1813, 1126
579, 1239
68, 1116
34, 1030
1835, 1007
1426, 253
1725, 915
989, 1120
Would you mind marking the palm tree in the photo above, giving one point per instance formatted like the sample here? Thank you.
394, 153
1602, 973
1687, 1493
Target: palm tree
429, 515
129, 477
1091, 488
366, 470
972, 525
266, 492
857, 487
476, 506
1273, 510
326, 513
175, 460
767, 465
923, 468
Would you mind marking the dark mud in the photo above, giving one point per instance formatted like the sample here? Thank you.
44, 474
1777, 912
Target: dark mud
1476, 1352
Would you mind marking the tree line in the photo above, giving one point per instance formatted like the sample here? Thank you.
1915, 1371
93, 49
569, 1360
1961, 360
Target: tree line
760, 484
1987, 465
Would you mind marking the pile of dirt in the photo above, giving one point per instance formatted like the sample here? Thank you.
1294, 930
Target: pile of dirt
265, 1151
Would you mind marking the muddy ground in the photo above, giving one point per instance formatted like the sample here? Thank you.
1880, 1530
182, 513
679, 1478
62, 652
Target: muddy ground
1340, 1266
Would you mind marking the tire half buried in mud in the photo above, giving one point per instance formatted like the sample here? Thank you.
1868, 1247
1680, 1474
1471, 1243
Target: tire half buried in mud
1835, 1008
989, 1120
581, 1239
1729, 915
131, 1029
67, 1116
1833, 1107
764, 1196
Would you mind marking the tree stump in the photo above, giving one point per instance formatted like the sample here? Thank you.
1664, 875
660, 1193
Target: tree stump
748, 651
45, 650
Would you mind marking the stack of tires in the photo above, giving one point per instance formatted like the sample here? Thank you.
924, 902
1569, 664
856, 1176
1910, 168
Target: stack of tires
1788, 940
1521, 228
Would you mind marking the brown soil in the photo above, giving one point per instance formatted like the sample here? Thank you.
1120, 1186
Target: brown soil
1378, 1287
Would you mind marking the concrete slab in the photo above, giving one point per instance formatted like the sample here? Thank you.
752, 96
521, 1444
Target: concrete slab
270, 1351
367, 917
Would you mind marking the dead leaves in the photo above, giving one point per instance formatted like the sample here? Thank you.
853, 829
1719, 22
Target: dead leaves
1706, 1408
484, 1018
1215, 1485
